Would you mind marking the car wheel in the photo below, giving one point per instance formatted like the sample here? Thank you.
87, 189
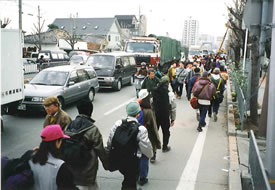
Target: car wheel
118, 85
91, 94
132, 80
61, 102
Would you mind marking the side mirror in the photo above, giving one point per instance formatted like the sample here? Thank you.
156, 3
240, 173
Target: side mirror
71, 83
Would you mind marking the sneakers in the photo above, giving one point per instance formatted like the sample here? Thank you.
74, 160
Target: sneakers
215, 116
209, 115
166, 148
143, 181
153, 159
199, 129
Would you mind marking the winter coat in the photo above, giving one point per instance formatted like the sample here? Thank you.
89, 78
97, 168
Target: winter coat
93, 139
215, 80
171, 73
144, 144
60, 117
180, 74
151, 126
149, 84
204, 94
191, 83
161, 99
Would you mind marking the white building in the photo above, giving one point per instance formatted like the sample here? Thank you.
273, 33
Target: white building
190, 32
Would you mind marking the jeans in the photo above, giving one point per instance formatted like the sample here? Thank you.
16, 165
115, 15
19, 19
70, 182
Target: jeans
213, 107
203, 111
179, 89
143, 166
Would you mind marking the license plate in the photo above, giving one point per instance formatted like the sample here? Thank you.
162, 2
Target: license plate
21, 107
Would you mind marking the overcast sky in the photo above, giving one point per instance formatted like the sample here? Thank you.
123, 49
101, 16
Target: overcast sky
162, 15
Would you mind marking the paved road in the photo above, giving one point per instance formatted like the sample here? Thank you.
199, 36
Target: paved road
196, 161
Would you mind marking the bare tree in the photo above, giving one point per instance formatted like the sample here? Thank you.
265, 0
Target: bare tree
70, 38
38, 28
5, 23
235, 14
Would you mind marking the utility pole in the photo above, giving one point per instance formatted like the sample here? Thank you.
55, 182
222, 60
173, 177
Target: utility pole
20, 14
270, 135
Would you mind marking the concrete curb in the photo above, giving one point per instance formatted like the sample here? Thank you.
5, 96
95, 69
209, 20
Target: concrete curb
234, 178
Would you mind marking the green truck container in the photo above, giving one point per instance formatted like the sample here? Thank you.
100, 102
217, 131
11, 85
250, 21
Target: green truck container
170, 51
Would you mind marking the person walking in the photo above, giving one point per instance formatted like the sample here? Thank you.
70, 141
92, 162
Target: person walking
219, 83
204, 90
85, 179
189, 74
55, 114
191, 83
161, 108
128, 164
180, 76
140, 76
150, 122
172, 76
150, 81
50, 172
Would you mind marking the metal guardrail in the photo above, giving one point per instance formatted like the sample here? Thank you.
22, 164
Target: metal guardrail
256, 167
241, 98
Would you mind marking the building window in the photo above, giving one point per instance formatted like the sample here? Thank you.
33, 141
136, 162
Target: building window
109, 38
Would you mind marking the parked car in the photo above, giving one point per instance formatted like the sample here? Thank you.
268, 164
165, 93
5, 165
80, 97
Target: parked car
68, 83
113, 69
78, 60
53, 58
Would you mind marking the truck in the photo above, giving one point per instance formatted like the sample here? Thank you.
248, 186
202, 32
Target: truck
155, 51
12, 74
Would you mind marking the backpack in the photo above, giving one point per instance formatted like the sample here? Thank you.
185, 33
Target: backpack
219, 95
75, 151
16, 173
124, 145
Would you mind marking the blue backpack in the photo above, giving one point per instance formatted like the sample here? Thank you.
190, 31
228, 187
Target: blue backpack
16, 173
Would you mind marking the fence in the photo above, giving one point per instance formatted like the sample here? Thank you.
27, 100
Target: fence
256, 168
30, 68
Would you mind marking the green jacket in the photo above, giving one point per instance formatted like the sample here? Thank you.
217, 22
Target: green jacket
149, 84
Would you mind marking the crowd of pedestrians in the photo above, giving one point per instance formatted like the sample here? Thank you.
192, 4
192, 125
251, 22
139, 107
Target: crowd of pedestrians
155, 108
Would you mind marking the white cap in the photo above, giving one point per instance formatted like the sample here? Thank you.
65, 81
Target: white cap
143, 93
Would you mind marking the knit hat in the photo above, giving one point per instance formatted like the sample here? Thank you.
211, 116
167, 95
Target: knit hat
216, 71
52, 132
132, 109
143, 93
205, 74
164, 79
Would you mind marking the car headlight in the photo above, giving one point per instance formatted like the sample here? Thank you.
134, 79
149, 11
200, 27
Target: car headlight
38, 99
109, 78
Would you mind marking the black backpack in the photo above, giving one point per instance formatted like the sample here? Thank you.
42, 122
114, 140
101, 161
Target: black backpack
75, 151
16, 173
124, 145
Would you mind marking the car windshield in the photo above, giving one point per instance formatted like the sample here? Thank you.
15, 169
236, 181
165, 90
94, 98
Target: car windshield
51, 78
76, 59
140, 47
194, 52
101, 61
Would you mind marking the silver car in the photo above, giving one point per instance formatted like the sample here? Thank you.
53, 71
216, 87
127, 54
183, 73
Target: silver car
68, 83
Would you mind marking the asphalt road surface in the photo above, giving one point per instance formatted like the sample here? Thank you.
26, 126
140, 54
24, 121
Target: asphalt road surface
196, 160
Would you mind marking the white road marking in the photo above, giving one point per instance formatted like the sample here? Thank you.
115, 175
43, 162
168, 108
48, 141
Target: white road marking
225, 170
118, 107
190, 172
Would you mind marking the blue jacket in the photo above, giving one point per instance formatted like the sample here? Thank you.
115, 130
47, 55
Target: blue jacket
191, 83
